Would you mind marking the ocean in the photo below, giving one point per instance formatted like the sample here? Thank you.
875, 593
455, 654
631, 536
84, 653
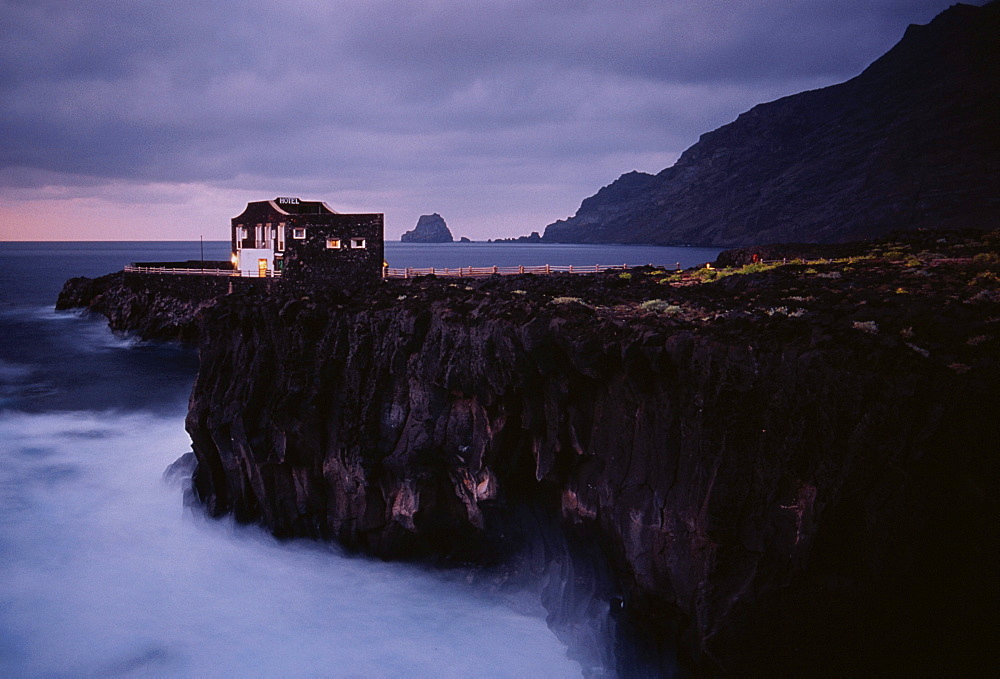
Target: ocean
104, 572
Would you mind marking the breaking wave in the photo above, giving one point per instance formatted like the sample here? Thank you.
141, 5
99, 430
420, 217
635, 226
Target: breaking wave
103, 573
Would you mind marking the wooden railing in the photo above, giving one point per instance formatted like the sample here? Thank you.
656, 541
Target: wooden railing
408, 272
270, 273
472, 271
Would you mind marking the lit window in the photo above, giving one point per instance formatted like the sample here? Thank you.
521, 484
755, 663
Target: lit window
357, 242
332, 243
298, 233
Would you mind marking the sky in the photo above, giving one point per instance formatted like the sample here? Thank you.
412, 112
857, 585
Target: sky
156, 120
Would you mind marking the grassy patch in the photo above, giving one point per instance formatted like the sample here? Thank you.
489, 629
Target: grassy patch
660, 306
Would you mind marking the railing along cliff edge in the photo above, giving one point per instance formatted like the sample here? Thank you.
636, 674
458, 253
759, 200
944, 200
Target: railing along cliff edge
472, 271
270, 273
408, 272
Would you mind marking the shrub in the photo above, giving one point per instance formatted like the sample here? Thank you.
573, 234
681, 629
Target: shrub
626, 276
660, 306
756, 267
895, 255
567, 300
870, 327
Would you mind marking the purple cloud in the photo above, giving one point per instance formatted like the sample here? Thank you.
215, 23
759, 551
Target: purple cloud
463, 109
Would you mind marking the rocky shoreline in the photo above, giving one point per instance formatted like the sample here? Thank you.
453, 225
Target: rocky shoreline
768, 469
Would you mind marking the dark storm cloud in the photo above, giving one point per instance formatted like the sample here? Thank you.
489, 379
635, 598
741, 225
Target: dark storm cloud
344, 94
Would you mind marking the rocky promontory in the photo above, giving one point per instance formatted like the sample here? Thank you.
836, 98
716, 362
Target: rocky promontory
778, 468
429, 229
909, 143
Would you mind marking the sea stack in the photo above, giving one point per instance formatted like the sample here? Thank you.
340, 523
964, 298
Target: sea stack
429, 229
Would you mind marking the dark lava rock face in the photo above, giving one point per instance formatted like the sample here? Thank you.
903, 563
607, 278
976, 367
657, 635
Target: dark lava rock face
770, 471
429, 229
910, 143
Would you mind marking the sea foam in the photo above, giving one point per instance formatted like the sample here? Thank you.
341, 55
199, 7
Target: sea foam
103, 573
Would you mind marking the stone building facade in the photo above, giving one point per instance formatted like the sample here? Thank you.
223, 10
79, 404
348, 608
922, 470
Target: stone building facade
306, 240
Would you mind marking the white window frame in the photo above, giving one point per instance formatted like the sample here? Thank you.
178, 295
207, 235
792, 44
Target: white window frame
281, 237
299, 232
358, 243
333, 244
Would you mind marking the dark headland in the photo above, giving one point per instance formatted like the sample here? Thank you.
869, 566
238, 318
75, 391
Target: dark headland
912, 142
779, 468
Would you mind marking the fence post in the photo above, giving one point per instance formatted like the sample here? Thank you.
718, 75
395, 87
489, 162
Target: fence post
548, 269
571, 268
520, 268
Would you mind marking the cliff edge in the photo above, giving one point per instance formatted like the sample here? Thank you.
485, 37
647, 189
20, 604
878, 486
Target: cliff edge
771, 469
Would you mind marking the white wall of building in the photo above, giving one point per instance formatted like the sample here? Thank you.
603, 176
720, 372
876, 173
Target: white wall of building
247, 260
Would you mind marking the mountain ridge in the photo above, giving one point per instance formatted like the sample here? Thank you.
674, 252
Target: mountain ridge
908, 143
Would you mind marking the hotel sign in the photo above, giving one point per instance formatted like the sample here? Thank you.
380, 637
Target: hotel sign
288, 201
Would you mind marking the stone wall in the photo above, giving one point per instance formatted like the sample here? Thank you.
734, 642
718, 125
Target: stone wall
309, 259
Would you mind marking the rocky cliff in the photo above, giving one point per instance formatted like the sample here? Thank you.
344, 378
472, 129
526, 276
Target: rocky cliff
429, 229
770, 470
154, 306
910, 143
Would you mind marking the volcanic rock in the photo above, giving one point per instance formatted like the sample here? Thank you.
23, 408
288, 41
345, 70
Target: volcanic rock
774, 470
910, 143
429, 229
